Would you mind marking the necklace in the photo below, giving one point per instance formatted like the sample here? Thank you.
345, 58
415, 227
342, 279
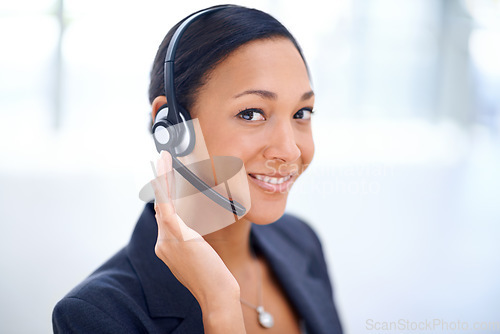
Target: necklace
265, 318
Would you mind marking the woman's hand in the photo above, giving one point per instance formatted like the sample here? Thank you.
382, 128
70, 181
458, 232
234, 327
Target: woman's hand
193, 261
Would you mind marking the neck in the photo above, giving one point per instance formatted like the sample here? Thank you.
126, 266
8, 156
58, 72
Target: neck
232, 243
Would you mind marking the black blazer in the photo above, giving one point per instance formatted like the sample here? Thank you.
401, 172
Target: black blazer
135, 292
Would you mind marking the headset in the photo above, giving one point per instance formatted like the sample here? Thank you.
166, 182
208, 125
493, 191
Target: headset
172, 129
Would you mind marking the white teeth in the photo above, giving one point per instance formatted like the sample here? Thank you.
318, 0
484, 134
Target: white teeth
272, 180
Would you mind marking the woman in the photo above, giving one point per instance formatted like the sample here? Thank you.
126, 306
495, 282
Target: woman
242, 75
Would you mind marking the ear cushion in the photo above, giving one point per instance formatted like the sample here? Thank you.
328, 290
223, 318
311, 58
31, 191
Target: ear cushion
164, 134
162, 112
178, 138
187, 136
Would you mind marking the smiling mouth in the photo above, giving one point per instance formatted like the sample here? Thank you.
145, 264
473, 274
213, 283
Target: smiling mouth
271, 180
273, 184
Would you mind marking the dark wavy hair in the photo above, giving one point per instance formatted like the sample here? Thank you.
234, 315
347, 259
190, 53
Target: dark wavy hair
206, 43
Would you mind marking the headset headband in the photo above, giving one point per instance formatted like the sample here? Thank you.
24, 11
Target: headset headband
168, 70
164, 123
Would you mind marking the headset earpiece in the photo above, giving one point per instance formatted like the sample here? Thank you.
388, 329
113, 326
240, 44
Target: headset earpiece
173, 129
164, 133
173, 133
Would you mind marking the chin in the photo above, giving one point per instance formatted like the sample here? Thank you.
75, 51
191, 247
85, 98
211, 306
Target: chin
263, 213
267, 207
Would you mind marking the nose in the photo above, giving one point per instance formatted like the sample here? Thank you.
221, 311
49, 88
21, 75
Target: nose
282, 144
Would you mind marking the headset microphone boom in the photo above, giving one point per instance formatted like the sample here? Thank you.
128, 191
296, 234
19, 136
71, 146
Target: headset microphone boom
174, 132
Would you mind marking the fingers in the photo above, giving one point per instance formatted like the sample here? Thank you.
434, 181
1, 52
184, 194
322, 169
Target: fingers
167, 219
164, 164
170, 225
163, 182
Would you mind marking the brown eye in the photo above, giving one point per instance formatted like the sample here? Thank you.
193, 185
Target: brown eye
304, 113
252, 115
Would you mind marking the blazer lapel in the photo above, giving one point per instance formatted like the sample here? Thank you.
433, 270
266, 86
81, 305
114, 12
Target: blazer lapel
167, 297
309, 294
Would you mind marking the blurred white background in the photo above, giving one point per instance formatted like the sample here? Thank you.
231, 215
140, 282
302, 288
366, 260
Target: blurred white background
404, 188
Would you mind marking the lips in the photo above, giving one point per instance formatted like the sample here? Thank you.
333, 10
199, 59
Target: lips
272, 180
273, 183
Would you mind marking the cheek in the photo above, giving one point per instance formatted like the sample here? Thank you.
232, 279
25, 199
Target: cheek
228, 141
306, 146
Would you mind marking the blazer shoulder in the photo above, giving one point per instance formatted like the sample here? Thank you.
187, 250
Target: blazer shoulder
74, 315
109, 299
115, 277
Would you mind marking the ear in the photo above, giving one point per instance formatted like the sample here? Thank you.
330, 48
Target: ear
158, 102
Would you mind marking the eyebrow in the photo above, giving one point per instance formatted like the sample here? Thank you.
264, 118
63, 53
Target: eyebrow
270, 95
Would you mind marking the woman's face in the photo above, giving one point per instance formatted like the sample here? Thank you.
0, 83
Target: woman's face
256, 105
